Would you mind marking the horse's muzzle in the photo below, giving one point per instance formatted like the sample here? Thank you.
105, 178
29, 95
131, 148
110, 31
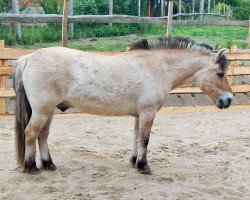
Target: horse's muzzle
224, 100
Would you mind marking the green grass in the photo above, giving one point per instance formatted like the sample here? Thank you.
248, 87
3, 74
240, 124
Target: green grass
94, 37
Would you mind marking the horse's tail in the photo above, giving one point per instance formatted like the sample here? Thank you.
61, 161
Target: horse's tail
22, 110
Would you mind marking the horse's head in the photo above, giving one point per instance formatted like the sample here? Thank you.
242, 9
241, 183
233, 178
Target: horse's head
212, 80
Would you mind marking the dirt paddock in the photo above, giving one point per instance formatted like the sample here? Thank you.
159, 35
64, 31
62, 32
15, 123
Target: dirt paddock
192, 156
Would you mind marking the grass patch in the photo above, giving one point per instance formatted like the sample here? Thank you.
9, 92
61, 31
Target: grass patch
102, 37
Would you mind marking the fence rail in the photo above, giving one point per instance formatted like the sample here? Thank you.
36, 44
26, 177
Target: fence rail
53, 18
13, 54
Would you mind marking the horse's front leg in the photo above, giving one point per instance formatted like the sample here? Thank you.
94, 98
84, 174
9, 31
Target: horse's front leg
135, 142
146, 119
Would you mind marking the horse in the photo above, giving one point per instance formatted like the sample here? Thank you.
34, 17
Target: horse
133, 83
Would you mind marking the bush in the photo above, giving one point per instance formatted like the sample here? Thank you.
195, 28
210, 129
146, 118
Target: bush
104, 30
241, 13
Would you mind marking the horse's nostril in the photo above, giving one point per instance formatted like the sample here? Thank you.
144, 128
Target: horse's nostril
229, 101
221, 102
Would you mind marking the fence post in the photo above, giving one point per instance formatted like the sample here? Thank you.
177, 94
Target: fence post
214, 7
162, 8
179, 10
139, 8
65, 23
17, 26
208, 6
219, 8
170, 18
193, 6
3, 63
201, 8
229, 11
71, 25
224, 9
110, 10
233, 49
249, 33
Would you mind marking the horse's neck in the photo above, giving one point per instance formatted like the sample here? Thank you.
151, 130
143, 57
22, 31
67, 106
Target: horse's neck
182, 68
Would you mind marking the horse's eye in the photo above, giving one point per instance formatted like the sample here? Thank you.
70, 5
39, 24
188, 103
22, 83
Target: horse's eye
221, 75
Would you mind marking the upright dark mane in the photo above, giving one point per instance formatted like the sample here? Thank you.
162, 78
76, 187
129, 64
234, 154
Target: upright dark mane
170, 43
178, 43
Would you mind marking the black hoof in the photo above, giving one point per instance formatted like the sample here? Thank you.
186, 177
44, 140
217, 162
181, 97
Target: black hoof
133, 161
30, 167
143, 168
48, 165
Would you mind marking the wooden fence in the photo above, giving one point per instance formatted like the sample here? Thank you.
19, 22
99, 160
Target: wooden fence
7, 54
54, 18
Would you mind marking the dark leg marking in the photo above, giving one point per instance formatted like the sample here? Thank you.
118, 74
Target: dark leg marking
143, 167
133, 160
30, 167
48, 165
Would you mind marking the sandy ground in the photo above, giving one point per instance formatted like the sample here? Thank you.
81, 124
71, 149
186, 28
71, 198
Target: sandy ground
192, 156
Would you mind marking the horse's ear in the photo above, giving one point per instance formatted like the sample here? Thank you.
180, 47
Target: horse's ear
220, 54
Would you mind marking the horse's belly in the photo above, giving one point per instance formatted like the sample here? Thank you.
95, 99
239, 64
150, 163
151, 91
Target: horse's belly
101, 108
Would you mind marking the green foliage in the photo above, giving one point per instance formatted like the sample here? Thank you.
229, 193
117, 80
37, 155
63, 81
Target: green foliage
104, 30
5, 6
51, 6
7, 35
85, 7
101, 7
242, 12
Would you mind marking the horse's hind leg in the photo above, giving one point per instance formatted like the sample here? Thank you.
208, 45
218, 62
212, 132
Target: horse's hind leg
32, 131
46, 160
145, 123
135, 142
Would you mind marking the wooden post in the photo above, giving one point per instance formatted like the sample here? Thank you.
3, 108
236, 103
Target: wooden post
17, 26
249, 33
208, 6
65, 23
165, 5
193, 6
219, 8
170, 19
162, 8
149, 7
179, 10
139, 8
110, 10
214, 7
229, 11
233, 49
71, 25
224, 9
201, 8
3, 63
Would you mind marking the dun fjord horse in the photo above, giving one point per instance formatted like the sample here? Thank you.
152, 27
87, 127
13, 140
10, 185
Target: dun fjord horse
135, 83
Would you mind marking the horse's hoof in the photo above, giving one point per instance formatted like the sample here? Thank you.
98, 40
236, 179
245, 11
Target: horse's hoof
144, 169
132, 161
48, 165
31, 168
